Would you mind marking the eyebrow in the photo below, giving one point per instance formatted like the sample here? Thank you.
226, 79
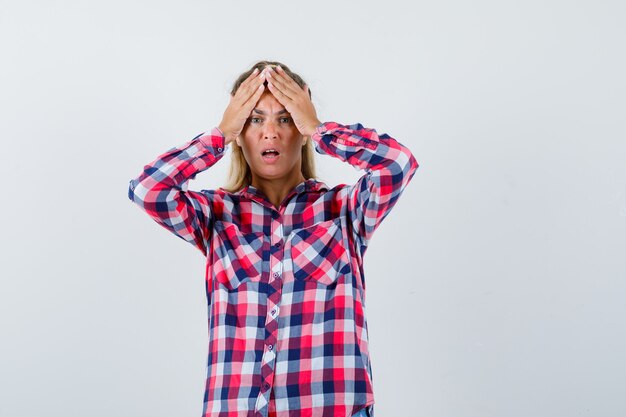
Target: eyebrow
262, 112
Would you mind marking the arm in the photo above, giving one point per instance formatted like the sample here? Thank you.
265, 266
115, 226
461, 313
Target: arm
389, 165
160, 189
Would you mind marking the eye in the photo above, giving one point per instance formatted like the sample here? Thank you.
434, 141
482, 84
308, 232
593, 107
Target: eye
285, 119
255, 120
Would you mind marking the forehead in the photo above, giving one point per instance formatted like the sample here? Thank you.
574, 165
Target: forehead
268, 100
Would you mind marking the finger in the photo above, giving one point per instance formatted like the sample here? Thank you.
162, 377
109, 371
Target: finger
243, 87
284, 83
280, 92
251, 77
280, 96
254, 99
291, 83
252, 82
246, 91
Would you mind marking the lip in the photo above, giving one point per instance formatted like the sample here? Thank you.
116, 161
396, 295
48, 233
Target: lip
270, 159
268, 148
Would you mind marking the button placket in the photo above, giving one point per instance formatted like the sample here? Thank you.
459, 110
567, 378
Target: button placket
277, 243
275, 294
277, 235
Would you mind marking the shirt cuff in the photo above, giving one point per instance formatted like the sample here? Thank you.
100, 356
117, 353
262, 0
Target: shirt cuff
214, 140
326, 128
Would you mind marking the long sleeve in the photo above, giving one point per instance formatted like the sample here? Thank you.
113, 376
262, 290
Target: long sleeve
388, 164
160, 190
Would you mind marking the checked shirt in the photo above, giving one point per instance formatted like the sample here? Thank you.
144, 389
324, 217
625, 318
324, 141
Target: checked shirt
285, 286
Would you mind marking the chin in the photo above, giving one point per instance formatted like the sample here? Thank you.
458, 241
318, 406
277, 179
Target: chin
274, 174
271, 175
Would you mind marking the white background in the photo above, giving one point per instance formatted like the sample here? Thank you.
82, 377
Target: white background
496, 286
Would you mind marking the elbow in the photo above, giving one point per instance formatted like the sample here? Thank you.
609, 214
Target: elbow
405, 165
412, 165
131, 190
138, 193
398, 168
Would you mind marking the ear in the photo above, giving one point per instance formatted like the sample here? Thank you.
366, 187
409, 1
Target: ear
238, 140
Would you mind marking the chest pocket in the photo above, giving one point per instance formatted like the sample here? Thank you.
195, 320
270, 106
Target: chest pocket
239, 255
318, 252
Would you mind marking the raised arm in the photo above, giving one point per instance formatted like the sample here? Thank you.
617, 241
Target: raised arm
160, 190
389, 167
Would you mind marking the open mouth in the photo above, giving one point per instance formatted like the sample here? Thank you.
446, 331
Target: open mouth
270, 154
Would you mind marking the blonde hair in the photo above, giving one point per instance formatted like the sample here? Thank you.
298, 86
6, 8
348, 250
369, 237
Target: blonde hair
239, 174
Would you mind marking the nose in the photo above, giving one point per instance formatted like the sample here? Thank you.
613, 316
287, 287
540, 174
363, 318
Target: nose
269, 130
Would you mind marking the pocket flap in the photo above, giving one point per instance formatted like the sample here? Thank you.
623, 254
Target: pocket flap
318, 252
239, 255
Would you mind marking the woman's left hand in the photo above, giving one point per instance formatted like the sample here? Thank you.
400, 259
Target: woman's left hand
295, 99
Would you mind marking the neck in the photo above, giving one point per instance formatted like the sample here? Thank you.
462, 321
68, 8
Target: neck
277, 189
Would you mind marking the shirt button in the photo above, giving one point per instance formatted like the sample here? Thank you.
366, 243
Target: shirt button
273, 312
266, 386
277, 244
219, 149
276, 274
270, 347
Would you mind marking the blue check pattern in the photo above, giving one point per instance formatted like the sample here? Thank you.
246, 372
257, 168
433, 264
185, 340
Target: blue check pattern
285, 286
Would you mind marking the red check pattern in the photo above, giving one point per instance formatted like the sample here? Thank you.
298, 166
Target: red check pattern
285, 286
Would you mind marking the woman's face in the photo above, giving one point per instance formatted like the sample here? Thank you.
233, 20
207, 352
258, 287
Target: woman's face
270, 141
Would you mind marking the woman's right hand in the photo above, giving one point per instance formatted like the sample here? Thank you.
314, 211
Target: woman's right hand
241, 105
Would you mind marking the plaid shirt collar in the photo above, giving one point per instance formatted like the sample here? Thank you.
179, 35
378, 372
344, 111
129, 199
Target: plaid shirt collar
309, 185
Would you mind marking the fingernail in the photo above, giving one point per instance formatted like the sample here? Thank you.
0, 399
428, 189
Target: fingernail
255, 70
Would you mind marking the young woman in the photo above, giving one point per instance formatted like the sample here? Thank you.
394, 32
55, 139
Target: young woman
284, 273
